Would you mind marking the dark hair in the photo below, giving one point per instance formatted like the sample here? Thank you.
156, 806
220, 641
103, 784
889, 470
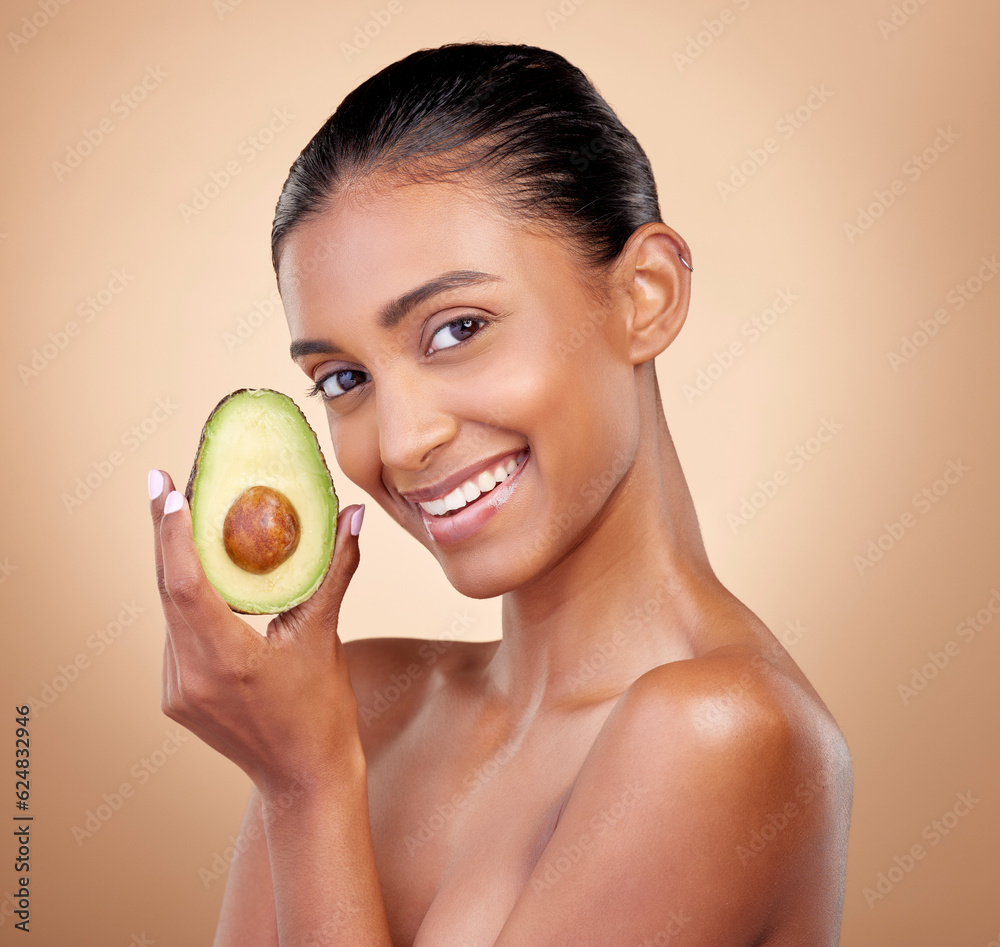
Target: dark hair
521, 120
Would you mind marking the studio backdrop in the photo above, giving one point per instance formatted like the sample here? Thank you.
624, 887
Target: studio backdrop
833, 396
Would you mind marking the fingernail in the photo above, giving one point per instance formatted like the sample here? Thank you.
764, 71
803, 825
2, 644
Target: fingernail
357, 518
174, 501
155, 484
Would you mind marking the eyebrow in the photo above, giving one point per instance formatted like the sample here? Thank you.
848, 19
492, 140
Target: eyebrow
394, 311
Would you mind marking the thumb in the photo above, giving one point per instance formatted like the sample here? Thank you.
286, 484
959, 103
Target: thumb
319, 614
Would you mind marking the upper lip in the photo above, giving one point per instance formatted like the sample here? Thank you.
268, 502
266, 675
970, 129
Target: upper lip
443, 487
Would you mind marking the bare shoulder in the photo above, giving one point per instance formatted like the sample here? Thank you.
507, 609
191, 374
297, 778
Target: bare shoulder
729, 782
734, 698
737, 723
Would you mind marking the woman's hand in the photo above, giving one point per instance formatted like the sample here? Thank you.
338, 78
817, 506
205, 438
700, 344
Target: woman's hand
281, 706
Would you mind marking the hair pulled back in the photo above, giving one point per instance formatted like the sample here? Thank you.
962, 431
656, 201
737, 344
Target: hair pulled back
520, 120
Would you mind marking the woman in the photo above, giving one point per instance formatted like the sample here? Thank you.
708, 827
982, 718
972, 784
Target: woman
477, 281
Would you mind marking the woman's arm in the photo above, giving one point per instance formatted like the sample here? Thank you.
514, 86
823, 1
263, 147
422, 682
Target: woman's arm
715, 799
317, 848
326, 886
282, 708
248, 918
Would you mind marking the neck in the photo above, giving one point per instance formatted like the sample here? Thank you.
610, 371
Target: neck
627, 598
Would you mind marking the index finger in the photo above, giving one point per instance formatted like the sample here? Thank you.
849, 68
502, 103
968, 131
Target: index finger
160, 485
192, 597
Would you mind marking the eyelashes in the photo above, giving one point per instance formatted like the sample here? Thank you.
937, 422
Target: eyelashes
341, 376
451, 334
464, 326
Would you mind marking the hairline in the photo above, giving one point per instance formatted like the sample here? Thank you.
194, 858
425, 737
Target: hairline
357, 183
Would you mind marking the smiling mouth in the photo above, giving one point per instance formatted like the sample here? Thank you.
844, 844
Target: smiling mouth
473, 488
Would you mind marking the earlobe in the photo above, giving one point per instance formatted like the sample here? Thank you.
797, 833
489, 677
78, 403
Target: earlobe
658, 270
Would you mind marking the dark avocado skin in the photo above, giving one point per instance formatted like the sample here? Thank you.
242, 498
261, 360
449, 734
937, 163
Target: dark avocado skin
189, 489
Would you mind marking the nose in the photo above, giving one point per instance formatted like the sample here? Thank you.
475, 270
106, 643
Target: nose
412, 421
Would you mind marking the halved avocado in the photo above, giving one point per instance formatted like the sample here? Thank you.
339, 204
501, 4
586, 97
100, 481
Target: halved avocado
263, 506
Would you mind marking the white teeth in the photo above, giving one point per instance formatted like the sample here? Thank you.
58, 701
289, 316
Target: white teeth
473, 489
455, 500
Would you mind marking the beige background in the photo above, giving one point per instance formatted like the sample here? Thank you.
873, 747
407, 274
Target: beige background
215, 73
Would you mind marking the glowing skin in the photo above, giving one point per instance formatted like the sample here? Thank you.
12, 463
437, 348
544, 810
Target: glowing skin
634, 713
516, 383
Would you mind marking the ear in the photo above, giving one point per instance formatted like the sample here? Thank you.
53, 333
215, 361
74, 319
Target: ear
658, 285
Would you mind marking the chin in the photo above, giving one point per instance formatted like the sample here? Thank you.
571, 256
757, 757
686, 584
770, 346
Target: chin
481, 581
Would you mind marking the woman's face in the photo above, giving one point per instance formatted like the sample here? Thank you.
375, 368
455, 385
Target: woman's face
464, 364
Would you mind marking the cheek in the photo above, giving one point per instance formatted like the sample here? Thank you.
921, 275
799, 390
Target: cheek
590, 410
552, 385
355, 444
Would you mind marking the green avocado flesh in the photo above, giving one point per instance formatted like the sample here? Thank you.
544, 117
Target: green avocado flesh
261, 494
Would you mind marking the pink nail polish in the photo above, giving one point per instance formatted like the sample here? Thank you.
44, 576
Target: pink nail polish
174, 502
357, 518
155, 484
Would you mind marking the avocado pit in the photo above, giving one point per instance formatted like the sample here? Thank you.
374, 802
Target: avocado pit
261, 530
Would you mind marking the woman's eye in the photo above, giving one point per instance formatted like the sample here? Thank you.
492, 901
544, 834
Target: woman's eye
339, 383
454, 332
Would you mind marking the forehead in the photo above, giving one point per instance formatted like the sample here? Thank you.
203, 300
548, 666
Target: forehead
377, 243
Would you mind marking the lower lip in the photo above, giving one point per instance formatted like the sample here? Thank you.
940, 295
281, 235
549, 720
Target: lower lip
473, 516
